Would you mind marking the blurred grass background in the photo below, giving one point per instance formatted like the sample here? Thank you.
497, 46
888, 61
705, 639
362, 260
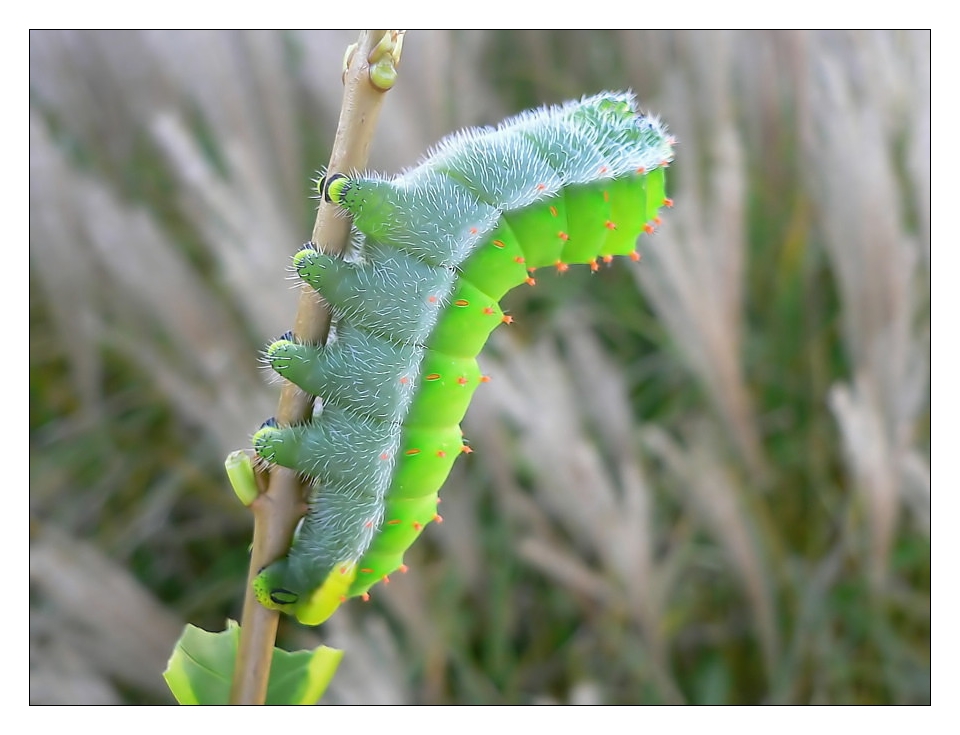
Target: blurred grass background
700, 478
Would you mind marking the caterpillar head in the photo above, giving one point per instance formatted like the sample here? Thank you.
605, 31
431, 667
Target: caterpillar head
270, 591
312, 608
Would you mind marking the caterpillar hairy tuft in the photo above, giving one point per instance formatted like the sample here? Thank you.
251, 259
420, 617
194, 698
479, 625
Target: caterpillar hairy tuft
438, 247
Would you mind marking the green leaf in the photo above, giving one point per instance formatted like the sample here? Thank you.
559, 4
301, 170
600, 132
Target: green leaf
201, 668
242, 478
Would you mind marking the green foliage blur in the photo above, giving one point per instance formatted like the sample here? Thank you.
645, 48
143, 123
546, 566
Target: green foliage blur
700, 478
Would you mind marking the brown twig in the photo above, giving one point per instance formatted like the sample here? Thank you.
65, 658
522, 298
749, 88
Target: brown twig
277, 511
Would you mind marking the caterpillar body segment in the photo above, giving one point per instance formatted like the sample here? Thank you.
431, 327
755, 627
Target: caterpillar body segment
439, 246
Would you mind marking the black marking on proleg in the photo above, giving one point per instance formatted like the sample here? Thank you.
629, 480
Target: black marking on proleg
327, 180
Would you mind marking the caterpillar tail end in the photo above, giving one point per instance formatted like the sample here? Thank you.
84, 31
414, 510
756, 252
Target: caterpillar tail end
311, 609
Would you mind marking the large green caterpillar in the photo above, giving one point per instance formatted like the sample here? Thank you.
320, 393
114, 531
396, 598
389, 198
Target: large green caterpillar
437, 248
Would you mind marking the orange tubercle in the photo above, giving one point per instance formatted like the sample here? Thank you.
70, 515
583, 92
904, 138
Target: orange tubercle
530, 281
635, 256
561, 266
507, 319
438, 518
365, 597
648, 228
668, 202
403, 569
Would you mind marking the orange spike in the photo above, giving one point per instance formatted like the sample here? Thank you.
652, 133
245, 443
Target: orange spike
635, 256
607, 258
365, 597
665, 163
438, 518
462, 380
474, 230
487, 310
465, 448
507, 319
441, 453
484, 378
641, 170
417, 526
563, 236
541, 187
530, 282
603, 170
561, 266
403, 569
432, 299
368, 524
385, 456
668, 202
594, 266
519, 259
610, 225
404, 380
648, 228
657, 221
385, 579
343, 570
343, 598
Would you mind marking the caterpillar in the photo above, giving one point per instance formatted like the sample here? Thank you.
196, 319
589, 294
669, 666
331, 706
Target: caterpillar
435, 250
